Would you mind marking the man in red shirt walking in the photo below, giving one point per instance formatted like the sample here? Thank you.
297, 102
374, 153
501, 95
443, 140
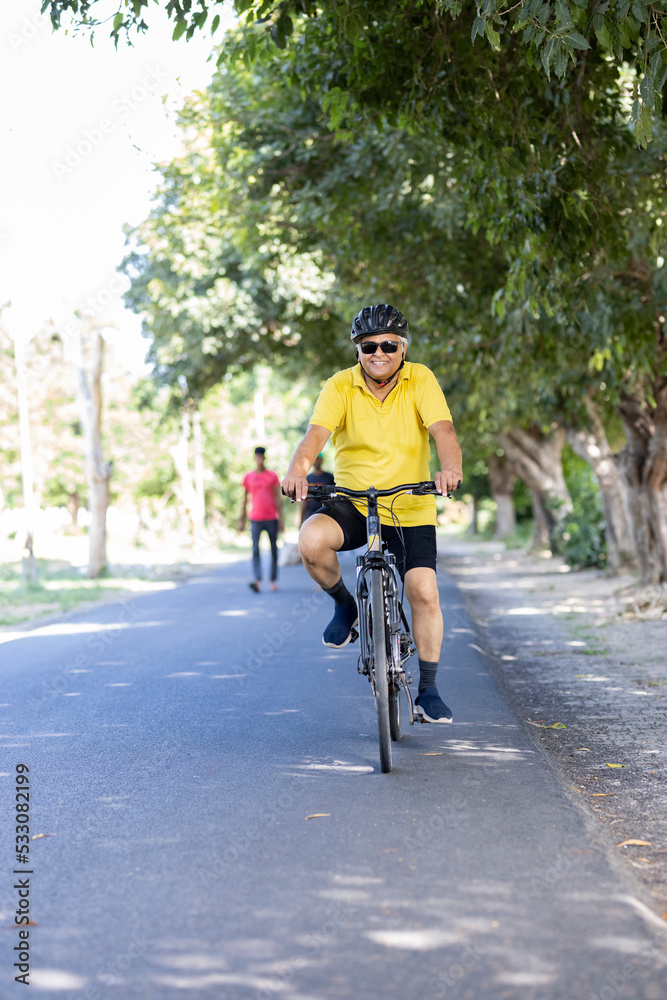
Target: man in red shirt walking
263, 487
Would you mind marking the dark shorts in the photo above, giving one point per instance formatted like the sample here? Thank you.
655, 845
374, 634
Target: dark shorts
420, 544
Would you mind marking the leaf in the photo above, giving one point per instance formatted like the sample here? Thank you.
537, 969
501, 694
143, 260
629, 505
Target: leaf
603, 36
562, 12
493, 36
560, 61
640, 139
647, 122
640, 843
647, 90
179, 29
214, 24
317, 815
559, 725
660, 77
617, 765
639, 12
278, 36
117, 21
478, 28
602, 795
576, 40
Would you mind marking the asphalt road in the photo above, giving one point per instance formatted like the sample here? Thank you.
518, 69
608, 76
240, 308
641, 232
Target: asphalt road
176, 745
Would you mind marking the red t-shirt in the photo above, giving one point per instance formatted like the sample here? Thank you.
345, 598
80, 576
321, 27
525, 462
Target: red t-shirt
260, 486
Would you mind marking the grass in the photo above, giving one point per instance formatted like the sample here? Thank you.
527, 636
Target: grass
521, 537
61, 588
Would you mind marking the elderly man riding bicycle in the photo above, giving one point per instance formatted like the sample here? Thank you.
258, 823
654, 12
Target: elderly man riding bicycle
380, 413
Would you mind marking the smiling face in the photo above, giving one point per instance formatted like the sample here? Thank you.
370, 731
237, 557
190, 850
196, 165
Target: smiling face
380, 365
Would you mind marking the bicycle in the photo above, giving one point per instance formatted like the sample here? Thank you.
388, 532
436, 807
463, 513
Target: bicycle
385, 642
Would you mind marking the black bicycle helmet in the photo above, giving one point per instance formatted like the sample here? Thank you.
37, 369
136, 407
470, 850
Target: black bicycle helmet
378, 319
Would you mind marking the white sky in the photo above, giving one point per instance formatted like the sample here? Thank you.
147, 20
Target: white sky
80, 128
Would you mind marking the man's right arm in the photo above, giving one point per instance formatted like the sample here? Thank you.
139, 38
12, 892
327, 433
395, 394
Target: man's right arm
295, 483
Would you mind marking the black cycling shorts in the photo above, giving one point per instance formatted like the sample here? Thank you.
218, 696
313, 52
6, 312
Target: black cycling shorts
420, 545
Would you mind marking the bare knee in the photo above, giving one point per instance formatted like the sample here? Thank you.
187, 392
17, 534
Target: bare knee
422, 590
319, 538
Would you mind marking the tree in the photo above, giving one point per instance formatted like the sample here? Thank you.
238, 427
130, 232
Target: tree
415, 38
86, 354
528, 259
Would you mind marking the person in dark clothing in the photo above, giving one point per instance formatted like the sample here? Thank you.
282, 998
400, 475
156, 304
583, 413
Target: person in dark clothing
316, 476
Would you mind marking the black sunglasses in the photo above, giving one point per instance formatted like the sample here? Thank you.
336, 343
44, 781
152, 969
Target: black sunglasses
387, 346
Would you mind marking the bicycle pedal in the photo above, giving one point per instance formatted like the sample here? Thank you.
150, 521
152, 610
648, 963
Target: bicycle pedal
354, 635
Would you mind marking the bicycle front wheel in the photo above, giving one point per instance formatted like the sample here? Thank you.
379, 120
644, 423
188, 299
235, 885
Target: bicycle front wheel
380, 666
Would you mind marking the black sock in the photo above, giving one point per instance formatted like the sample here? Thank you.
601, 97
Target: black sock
427, 671
340, 593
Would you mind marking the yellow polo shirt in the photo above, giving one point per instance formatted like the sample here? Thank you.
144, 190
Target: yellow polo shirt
383, 444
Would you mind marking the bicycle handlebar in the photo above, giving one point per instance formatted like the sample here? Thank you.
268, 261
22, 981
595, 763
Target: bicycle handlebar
319, 491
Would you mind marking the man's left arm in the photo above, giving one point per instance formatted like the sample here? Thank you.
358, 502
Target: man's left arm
449, 454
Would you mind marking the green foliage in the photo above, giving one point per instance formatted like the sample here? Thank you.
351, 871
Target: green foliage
522, 536
523, 504
398, 53
475, 477
229, 434
494, 192
60, 490
528, 263
159, 483
580, 536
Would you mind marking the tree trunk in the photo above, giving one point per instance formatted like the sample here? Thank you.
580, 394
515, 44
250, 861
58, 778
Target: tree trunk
643, 466
186, 490
73, 504
472, 513
591, 444
502, 477
541, 524
537, 460
98, 471
656, 479
29, 567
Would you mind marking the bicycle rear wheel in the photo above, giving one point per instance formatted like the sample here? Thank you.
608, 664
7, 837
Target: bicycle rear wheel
380, 664
395, 712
